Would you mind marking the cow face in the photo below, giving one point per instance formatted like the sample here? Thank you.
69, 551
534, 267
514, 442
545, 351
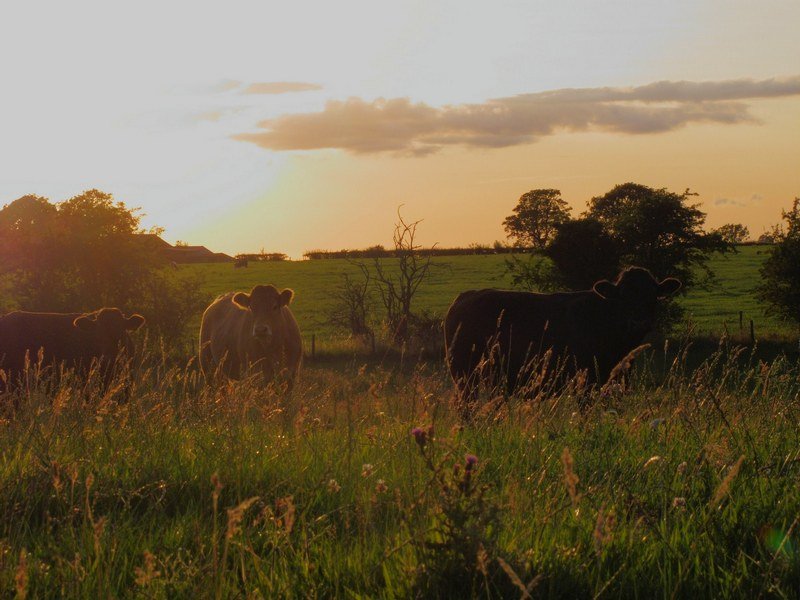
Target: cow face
109, 329
265, 303
635, 295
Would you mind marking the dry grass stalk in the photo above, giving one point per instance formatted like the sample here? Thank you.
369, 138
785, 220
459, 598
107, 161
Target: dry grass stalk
525, 590
623, 366
285, 508
726, 483
148, 573
571, 479
235, 516
603, 529
21, 575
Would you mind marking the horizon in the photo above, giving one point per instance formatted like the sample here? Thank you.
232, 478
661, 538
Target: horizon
245, 136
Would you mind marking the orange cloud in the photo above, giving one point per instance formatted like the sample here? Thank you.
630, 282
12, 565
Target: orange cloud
280, 87
398, 125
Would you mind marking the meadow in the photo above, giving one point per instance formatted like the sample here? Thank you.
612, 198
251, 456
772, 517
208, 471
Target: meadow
679, 480
711, 310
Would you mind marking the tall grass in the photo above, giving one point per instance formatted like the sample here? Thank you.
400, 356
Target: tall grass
675, 482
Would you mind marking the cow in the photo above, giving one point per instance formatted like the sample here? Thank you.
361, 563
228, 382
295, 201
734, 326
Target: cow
241, 333
591, 330
75, 340
240, 263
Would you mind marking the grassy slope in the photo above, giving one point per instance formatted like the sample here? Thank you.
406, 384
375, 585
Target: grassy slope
313, 282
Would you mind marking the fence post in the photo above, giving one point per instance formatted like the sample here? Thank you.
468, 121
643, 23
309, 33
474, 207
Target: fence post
741, 322
313, 345
752, 333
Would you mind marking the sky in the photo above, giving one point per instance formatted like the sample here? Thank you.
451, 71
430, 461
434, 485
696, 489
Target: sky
295, 126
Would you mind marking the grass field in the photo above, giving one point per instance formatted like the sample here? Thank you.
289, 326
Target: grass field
711, 309
685, 487
363, 483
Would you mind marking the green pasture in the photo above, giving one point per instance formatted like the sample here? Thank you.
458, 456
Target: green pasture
711, 310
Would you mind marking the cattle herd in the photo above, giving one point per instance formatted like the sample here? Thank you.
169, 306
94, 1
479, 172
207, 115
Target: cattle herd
489, 334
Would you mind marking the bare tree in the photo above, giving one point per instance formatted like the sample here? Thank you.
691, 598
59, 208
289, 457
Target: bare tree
398, 286
353, 304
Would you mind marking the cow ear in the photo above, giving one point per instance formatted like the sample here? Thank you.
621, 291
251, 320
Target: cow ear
286, 296
85, 323
668, 287
605, 289
133, 322
241, 299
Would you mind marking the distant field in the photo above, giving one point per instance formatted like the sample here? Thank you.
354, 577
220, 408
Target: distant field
313, 282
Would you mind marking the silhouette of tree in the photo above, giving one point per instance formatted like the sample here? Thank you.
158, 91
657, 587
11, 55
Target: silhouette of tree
536, 218
630, 225
780, 273
733, 233
658, 230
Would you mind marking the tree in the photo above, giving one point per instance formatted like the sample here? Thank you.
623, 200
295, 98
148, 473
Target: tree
352, 307
86, 253
536, 218
631, 225
398, 287
780, 273
733, 233
658, 230
582, 252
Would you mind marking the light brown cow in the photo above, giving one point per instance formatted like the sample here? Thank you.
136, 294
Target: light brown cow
240, 332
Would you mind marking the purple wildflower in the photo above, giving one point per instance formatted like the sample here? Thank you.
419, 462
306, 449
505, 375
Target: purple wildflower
471, 461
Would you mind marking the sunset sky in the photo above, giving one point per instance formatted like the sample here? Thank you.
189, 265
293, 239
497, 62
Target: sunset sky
297, 125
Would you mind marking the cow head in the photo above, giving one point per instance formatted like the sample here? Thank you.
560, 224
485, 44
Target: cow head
109, 329
635, 294
266, 304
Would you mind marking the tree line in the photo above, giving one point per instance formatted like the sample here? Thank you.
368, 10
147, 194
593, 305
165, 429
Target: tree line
633, 224
380, 251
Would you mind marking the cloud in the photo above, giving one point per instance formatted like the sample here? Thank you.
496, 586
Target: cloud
280, 87
754, 200
399, 125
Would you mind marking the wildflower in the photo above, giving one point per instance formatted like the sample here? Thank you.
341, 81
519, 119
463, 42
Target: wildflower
471, 462
381, 487
333, 486
367, 469
656, 422
679, 502
682, 468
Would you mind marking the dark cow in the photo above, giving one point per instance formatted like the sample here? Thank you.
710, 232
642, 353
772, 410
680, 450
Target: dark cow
257, 330
74, 339
591, 330
240, 263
